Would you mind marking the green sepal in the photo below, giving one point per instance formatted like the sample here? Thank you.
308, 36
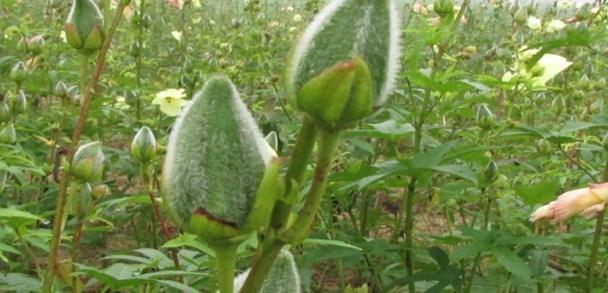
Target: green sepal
211, 229
94, 40
269, 190
72, 36
8, 135
80, 199
88, 163
340, 95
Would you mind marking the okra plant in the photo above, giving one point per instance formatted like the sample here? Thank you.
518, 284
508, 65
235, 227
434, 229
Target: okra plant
221, 179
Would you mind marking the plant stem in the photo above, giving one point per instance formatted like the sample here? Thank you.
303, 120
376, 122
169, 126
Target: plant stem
409, 232
86, 98
225, 259
328, 142
597, 237
295, 172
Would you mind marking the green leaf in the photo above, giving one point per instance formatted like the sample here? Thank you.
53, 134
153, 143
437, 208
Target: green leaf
541, 192
512, 262
189, 240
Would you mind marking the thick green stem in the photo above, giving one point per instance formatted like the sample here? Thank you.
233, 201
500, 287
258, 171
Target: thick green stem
86, 98
409, 232
295, 172
225, 261
328, 142
597, 237
301, 227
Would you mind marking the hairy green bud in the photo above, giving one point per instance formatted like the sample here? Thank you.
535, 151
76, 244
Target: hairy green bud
143, 147
340, 95
215, 164
5, 112
61, 89
84, 26
485, 117
88, 163
491, 171
443, 7
544, 146
8, 134
18, 72
283, 276
80, 199
521, 16
17, 103
359, 35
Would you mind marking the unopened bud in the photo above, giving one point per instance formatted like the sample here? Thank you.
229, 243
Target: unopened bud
8, 134
80, 199
100, 191
18, 103
84, 26
5, 112
19, 72
143, 147
88, 163
485, 117
339, 95
491, 171
61, 90
544, 147
521, 16
443, 7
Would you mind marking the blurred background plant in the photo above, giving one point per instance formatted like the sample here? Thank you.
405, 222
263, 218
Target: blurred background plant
500, 107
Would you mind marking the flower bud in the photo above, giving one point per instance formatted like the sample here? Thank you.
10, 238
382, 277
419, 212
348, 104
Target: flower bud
216, 182
80, 199
340, 95
135, 50
143, 147
100, 191
351, 37
19, 72
8, 134
282, 277
485, 117
35, 44
544, 147
88, 162
583, 12
18, 103
521, 16
491, 171
273, 140
443, 7
84, 26
61, 90
5, 112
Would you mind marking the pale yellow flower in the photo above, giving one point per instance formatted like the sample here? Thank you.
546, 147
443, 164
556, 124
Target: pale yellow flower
297, 18
551, 65
177, 35
587, 201
555, 26
170, 101
534, 23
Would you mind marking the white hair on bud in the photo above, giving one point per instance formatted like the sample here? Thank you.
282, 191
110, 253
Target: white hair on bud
248, 126
393, 63
306, 40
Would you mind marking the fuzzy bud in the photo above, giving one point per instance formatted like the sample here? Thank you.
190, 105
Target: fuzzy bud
61, 90
19, 72
8, 134
143, 147
5, 112
216, 182
84, 26
351, 36
18, 103
282, 277
485, 117
88, 163
443, 7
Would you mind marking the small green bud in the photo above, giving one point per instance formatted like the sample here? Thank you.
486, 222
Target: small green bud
583, 12
443, 7
88, 163
521, 16
282, 277
360, 39
135, 50
5, 112
491, 171
80, 199
35, 45
61, 90
485, 117
19, 72
84, 26
18, 103
544, 147
339, 96
143, 147
100, 191
558, 104
8, 134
